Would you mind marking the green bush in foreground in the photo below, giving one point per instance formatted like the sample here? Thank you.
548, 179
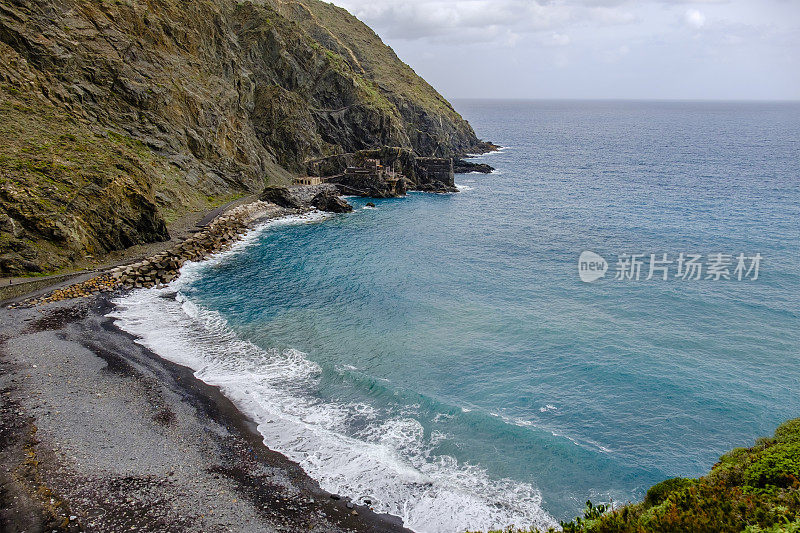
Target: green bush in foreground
750, 490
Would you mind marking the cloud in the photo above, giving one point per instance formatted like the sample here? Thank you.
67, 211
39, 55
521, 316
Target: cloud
558, 39
610, 16
502, 21
694, 18
482, 20
615, 55
591, 48
694, 1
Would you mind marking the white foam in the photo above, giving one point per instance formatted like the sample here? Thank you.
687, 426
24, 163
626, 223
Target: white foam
463, 187
388, 459
251, 237
583, 442
500, 150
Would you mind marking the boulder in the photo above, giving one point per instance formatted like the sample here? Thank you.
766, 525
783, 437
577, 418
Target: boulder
281, 196
332, 202
302, 196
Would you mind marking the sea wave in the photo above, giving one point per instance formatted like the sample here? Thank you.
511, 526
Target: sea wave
388, 460
500, 150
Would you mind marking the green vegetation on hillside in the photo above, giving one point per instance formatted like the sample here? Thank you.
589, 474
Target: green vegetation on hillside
119, 116
85, 190
54, 175
750, 490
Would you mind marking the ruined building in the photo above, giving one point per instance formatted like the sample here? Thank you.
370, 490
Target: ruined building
370, 179
308, 180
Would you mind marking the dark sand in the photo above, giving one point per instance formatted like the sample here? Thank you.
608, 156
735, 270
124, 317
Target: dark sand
99, 434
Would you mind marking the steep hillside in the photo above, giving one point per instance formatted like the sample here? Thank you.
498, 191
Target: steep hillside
118, 115
431, 125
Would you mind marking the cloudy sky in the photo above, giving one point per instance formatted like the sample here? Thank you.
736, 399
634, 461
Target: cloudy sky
661, 49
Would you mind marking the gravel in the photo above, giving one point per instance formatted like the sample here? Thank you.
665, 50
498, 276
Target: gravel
99, 434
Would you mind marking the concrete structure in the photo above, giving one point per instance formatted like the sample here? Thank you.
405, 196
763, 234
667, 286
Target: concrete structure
375, 172
372, 169
308, 180
371, 179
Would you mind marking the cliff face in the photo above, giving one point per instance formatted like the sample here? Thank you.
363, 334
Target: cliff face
118, 115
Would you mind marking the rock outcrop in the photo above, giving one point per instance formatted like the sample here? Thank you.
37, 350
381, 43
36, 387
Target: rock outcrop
331, 202
435, 174
466, 167
120, 116
301, 196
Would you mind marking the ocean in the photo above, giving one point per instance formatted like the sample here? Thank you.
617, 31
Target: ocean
440, 355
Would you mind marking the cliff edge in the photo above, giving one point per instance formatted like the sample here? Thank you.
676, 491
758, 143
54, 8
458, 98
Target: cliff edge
119, 116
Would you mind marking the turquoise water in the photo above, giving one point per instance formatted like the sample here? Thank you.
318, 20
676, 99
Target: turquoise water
440, 355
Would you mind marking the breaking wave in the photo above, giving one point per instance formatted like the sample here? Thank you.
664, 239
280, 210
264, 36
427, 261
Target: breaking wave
351, 448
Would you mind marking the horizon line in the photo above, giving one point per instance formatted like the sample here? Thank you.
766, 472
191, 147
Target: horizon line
622, 99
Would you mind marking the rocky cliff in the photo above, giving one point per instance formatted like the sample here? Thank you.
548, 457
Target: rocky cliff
119, 116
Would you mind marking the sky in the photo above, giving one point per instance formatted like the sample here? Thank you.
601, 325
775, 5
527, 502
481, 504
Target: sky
627, 49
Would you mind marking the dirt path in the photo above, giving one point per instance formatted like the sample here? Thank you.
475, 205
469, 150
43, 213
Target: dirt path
179, 230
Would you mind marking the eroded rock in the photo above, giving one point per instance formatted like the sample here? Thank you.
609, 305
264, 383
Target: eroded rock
331, 202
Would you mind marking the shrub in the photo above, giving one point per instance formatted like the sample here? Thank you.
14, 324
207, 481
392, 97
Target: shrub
775, 467
788, 431
659, 492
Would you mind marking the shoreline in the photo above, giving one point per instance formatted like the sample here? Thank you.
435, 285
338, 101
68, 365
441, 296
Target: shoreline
45, 483
152, 429
181, 353
81, 324
217, 235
